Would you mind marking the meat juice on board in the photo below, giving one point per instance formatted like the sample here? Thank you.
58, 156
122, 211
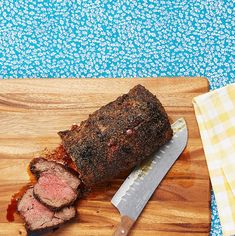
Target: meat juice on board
59, 155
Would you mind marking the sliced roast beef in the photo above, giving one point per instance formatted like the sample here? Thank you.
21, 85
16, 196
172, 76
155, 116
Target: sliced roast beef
113, 139
57, 185
118, 136
39, 217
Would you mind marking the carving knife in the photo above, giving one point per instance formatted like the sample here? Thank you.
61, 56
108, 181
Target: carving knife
134, 193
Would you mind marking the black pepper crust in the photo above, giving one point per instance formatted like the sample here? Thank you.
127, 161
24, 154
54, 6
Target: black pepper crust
118, 136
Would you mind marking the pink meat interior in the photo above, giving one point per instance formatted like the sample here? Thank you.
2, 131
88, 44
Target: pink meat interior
53, 189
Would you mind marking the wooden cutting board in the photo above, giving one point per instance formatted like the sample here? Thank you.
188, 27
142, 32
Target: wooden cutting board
33, 110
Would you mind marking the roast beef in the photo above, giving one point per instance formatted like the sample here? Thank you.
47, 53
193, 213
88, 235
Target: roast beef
118, 136
39, 217
57, 185
115, 138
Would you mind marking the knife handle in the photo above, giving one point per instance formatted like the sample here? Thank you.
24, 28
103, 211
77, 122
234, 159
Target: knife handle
124, 227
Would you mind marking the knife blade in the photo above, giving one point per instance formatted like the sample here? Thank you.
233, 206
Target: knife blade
134, 193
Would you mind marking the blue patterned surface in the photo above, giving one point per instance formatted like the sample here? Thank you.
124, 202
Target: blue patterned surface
116, 38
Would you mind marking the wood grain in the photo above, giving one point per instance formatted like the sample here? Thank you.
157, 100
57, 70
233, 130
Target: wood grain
32, 111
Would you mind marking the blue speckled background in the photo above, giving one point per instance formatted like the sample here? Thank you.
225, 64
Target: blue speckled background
129, 38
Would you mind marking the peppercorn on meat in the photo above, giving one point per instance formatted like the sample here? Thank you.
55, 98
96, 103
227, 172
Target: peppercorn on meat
118, 136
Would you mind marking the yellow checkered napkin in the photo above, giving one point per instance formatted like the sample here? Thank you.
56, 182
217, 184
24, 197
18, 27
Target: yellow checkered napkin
215, 113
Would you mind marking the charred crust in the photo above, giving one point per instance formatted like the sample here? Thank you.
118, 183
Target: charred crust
32, 167
126, 149
138, 124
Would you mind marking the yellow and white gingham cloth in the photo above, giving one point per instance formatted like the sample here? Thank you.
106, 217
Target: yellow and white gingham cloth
215, 113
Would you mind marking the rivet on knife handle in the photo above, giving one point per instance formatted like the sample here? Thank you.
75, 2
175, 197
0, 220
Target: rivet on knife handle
124, 227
